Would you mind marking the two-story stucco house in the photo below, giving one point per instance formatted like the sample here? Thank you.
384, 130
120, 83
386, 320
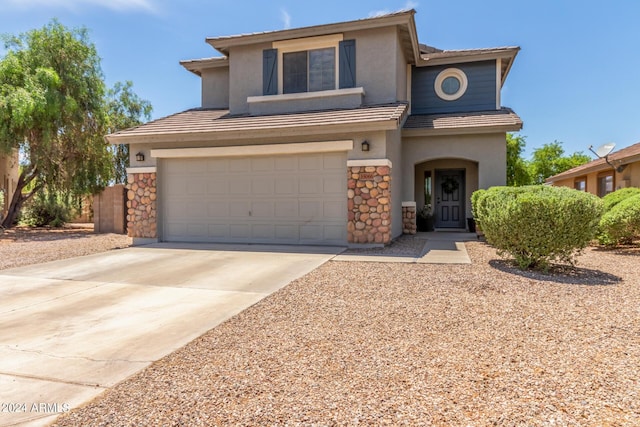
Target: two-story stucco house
331, 134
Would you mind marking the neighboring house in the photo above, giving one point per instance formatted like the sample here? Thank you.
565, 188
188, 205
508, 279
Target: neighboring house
601, 178
322, 135
9, 174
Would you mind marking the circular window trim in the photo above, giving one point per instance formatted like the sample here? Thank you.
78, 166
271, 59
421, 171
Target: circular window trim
455, 73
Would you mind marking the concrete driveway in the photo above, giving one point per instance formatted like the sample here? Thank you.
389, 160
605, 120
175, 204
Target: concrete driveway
71, 329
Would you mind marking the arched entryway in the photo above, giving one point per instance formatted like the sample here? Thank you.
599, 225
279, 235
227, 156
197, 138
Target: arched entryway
443, 188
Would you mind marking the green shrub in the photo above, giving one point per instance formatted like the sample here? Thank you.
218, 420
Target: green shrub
538, 225
45, 211
612, 199
621, 224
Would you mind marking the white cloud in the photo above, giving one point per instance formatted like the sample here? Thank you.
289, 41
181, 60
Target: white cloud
407, 6
117, 5
286, 19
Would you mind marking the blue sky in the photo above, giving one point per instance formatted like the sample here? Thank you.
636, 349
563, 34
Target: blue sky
576, 80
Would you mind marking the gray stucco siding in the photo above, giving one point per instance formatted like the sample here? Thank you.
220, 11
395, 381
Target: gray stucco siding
479, 96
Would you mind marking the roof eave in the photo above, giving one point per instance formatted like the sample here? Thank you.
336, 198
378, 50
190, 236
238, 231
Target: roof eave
196, 66
594, 168
508, 54
255, 134
461, 130
222, 44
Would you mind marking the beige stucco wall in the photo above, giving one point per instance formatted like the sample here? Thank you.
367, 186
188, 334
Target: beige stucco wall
215, 88
629, 177
376, 63
245, 75
394, 153
380, 70
488, 152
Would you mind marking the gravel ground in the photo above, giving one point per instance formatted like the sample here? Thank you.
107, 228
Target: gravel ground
406, 344
23, 245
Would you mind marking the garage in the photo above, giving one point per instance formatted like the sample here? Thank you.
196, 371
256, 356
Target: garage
266, 198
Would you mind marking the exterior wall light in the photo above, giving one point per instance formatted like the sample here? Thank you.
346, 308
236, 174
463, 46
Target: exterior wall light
140, 157
365, 146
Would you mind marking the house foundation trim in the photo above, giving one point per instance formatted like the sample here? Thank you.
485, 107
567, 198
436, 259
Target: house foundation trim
368, 162
148, 169
255, 150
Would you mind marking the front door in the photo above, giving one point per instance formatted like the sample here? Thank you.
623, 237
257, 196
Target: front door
449, 192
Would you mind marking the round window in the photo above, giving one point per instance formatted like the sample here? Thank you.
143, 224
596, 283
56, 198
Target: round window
451, 84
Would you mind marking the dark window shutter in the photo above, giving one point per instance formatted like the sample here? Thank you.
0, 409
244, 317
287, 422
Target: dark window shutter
347, 64
270, 72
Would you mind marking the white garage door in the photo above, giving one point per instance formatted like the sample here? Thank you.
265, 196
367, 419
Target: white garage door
288, 199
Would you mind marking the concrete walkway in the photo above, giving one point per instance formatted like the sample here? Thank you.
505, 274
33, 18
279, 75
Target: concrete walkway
73, 328
438, 248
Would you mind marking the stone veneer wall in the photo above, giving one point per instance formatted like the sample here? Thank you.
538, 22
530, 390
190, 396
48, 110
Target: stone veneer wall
369, 204
409, 218
141, 205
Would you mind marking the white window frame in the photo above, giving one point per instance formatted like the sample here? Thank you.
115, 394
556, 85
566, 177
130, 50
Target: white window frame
306, 44
451, 72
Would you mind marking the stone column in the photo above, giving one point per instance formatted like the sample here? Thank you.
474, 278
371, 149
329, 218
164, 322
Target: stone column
369, 201
409, 225
142, 205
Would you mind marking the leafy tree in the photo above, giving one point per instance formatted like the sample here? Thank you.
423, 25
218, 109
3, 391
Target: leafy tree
52, 109
125, 110
517, 168
550, 160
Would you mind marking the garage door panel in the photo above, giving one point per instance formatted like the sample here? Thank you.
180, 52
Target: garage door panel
292, 199
263, 231
262, 209
217, 186
287, 209
262, 185
310, 185
286, 163
218, 209
333, 185
287, 233
334, 161
239, 165
287, 185
218, 231
197, 230
262, 164
239, 231
217, 166
239, 209
196, 209
333, 232
310, 208
333, 210
240, 186
196, 187
311, 162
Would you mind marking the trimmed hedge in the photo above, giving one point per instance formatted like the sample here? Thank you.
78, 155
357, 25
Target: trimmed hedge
539, 224
612, 199
621, 224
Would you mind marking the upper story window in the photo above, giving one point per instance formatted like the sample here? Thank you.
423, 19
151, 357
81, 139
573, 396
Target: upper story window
310, 64
309, 71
